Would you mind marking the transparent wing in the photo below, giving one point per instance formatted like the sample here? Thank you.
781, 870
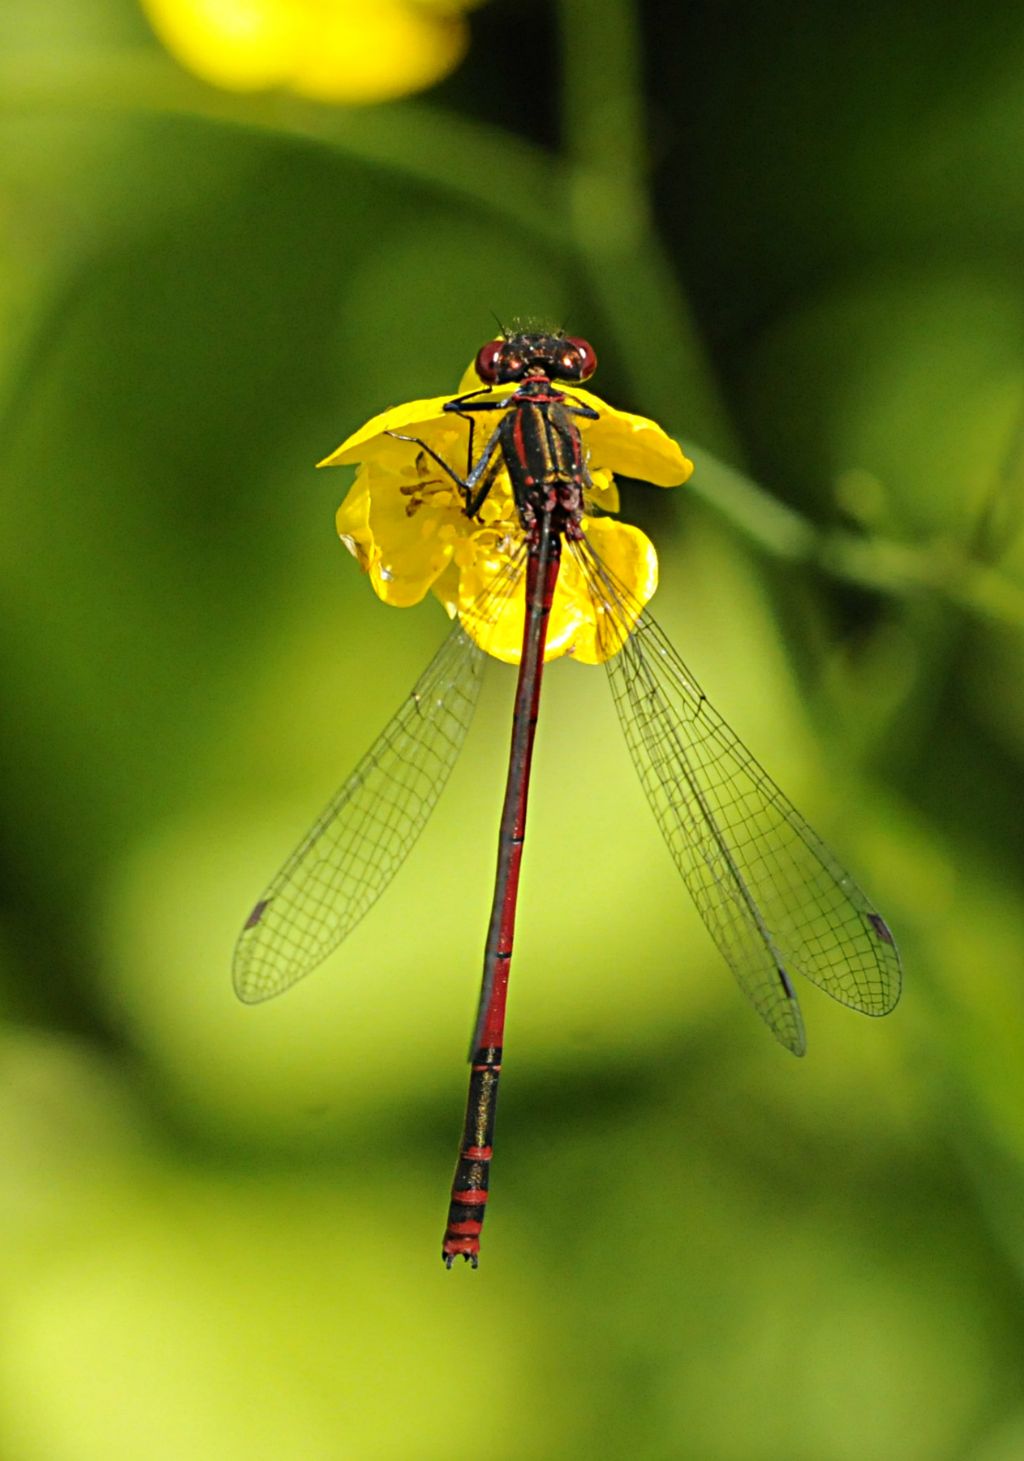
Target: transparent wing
362, 837
773, 897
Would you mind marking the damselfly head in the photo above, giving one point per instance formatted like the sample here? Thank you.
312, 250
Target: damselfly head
523, 357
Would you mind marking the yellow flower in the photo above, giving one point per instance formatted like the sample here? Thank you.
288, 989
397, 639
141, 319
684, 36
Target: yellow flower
344, 51
404, 522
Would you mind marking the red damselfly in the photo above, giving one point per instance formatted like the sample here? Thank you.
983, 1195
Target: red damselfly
772, 896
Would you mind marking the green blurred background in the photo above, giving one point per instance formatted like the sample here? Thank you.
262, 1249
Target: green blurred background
795, 234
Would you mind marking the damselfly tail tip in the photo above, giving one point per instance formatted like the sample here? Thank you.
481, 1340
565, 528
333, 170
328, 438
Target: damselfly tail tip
461, 1249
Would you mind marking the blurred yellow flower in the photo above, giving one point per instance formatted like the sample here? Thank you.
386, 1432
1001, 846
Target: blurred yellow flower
404, 522
344, 51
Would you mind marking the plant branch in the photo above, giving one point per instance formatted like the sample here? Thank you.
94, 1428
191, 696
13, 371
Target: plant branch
940, 567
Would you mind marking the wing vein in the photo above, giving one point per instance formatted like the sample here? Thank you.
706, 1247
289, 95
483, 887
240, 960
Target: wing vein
357, 844
771, 894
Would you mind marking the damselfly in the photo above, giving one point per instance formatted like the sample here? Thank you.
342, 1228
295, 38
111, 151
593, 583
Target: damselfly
772, 896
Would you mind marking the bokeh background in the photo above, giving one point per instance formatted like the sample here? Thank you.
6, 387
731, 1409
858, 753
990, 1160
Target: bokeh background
228, 235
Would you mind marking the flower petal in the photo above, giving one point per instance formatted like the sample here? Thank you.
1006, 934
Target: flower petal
358, 53
633, 445
414, 418
345, 51
353, 522
630, 557
241, 45
402, 545
603, 492
495, 620
491, 602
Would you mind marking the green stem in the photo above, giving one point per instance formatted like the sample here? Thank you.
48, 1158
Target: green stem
941, 568
628, 270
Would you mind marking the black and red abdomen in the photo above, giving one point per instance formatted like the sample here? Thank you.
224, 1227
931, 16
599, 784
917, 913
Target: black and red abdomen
472, 1173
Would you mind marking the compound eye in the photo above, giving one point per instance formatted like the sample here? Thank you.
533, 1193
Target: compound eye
488, 359
586, 361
